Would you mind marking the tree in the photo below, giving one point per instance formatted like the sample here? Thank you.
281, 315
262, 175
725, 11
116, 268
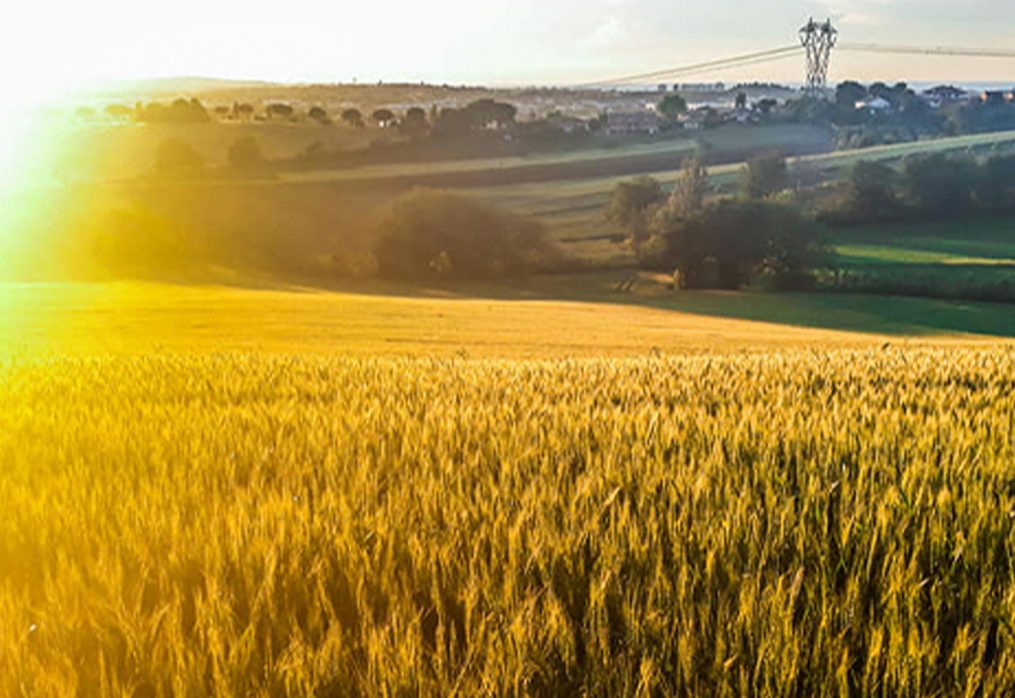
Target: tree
688, 195
383, 117
318, 114
180, 111
880, 90
766, 106
728, 243
353, 117
244, 153
847, 94
279, 111
941, 185
242, 110
872, 190
764, 176
672, 106
632, 204
487, 112
996, 185
177, 158
414, 123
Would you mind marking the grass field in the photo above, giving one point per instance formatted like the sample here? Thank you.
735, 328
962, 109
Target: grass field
971, 258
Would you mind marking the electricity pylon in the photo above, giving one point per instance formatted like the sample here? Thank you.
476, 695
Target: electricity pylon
818, 40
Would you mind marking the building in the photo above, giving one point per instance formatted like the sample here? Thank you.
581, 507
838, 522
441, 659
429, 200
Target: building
629, 123
566, 124
700, 87
997, 97
701, 118
878, 105
944, 94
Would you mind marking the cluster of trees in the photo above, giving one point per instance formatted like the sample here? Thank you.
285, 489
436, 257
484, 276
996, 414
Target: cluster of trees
929, 186
177, 158
904, 115
180, 111
724, 243
479, 115
192, 111
439, 235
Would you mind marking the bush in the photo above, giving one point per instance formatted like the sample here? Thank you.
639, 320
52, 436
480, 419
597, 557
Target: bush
434, 234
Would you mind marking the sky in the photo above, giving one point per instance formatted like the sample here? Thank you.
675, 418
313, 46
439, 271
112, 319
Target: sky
47, 48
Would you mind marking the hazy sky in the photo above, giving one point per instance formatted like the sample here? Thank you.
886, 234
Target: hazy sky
56, 45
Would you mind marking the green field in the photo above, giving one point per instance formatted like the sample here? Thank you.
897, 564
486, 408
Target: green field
972, 258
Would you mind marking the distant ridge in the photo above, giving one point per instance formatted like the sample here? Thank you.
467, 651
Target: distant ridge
162, 87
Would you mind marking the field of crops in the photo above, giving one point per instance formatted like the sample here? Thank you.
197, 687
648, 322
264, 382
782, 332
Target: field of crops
543, 489
793, 523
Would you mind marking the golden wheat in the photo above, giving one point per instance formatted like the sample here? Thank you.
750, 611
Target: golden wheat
797, 523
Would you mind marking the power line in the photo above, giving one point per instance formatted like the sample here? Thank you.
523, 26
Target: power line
693, 68
931, 50
728, 66
774, 54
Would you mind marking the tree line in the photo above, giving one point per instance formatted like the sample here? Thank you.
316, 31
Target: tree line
926, 187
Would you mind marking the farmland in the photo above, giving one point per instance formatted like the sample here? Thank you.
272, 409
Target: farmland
552, 317
823, 514
573, 207
971, 259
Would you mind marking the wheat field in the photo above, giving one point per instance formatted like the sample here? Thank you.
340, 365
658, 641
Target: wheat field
799, 522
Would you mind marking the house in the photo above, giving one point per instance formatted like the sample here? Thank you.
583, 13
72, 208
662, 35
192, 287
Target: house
996, 97
566, 124
700, 118
937, 97
878, 105
742, 116
627, 123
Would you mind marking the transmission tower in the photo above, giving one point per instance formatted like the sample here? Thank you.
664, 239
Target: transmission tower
818, 40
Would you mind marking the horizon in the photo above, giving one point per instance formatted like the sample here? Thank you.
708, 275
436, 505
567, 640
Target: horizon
525, 44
